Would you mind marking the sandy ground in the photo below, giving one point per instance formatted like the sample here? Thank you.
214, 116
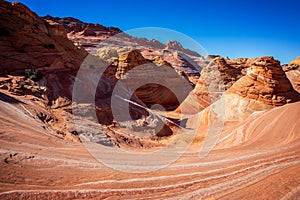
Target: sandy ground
258, 158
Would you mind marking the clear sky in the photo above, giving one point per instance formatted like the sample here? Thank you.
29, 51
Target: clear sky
234, 28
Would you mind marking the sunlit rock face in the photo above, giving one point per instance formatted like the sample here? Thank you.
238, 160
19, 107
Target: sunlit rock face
292, 71
215, 78
91, 37
265, 86
44, 155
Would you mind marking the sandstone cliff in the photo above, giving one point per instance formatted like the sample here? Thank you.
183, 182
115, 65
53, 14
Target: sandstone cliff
29, 42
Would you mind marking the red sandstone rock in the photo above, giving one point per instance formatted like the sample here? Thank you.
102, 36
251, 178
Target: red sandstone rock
42, 158
31, 42
292, 71
90, 36
219, 75
264, 87
50, 45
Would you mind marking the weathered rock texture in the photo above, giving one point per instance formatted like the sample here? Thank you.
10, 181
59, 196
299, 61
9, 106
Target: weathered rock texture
41, 156
41, 62
260, 79
93, 36
27, 41
35, 162
264, 87
292, 71
154, 81
219, 75
83, 34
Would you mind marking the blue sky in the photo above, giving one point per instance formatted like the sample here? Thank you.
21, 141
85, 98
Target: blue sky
233, 28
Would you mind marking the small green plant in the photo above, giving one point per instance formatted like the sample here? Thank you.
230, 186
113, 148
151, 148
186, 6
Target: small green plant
33, 75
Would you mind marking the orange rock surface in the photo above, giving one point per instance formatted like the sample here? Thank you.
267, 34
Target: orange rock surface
33, 43
292, 71
257, 158
264, 87
239, 126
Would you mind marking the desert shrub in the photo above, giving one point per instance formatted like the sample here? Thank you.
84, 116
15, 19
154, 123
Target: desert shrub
33, 75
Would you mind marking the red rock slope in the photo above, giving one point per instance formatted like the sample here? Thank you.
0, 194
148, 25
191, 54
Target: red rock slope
31, 42
257, 159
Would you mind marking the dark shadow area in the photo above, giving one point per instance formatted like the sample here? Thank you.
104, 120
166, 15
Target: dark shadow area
179, 122
8, 99
155, 94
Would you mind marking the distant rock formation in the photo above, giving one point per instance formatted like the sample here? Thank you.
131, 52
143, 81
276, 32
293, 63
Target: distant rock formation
174, 45
75, 26
93, 36
83, 34
77, 30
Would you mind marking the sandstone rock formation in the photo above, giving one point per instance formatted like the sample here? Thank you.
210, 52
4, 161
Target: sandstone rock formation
48, 119
33, 43
186, 66
53, 61
93, 36
83, 34
151, 80
264, 87
35, 162
29, 43
292, 71
217, 77
260, 79
273, 125
174, 45
75, 26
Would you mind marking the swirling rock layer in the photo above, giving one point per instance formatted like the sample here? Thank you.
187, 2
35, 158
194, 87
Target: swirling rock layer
41, 156
264, 87
35, 163
219, 75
